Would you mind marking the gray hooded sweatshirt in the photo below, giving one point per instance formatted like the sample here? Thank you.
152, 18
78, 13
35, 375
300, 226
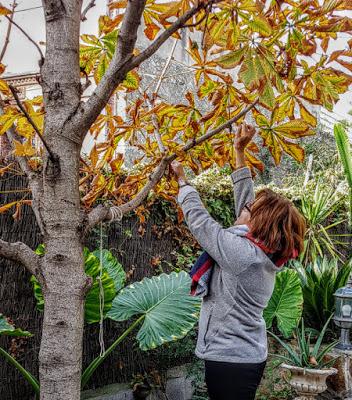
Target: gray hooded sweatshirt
231, 324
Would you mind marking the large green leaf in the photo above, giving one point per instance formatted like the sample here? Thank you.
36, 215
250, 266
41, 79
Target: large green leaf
113, 279
168, 309
9, 330
286, 303
113, 268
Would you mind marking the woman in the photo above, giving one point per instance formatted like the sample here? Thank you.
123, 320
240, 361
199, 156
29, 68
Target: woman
268, 231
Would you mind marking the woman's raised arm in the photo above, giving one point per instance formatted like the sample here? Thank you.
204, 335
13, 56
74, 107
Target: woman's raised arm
242, 177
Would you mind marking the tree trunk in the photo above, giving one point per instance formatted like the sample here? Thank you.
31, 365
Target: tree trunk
65, 286
65, 283
61, 346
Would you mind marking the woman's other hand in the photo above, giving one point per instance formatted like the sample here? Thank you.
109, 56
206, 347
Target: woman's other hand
244, 136
177, 169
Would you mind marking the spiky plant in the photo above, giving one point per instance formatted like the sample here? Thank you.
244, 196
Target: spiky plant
344, 149
305, 354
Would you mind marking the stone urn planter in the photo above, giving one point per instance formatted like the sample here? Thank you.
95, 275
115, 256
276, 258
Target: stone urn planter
308, 383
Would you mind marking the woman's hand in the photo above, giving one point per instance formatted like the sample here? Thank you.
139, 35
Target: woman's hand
244, 136
177, 169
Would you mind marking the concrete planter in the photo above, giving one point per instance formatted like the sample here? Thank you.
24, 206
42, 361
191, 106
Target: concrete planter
308, 383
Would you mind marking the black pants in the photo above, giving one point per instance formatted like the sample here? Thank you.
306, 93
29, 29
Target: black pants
229, 381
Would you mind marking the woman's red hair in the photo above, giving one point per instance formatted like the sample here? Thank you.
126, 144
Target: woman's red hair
277, 223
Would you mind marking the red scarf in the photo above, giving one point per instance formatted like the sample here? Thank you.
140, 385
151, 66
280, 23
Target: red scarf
275, 257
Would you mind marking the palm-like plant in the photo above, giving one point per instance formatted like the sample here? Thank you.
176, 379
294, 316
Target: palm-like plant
320, 280
305, 355
319, 238
344, 149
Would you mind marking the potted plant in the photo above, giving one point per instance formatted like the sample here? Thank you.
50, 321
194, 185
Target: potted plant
307, 363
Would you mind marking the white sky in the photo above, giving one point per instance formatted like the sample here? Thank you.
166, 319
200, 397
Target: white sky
21, 57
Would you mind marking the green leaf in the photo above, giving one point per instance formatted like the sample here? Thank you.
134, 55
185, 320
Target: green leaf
26, 374
7, 329
131, 81
285, 305
169, 310
232, 59
113, 279
38, 294
293, 355
113, 268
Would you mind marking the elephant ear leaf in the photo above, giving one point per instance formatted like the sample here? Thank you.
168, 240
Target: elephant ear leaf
286, 303
113, 278
113, 268
9, 330
92, 303
165, 303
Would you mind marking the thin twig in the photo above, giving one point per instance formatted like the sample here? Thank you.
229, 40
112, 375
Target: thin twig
30, 120
7, 38
166, 66
90, 5
28, 37
154, 96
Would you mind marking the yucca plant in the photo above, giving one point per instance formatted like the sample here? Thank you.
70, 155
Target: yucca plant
305, 354
344, 149
320, 240
319, 280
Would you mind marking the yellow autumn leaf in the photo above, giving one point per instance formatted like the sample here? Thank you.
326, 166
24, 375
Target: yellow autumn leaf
23, 149
117, 163
7, 120
293, 149
4, 10
4, 88
292, 129
7, 207
271, 143
94, 156
307, 116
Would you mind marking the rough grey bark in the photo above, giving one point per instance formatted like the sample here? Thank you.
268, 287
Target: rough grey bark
65, 283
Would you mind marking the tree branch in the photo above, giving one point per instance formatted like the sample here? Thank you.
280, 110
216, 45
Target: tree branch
124, 61
30, 120
9, 28
28, 37
102, 213
213, 132
20, 252
90, 5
